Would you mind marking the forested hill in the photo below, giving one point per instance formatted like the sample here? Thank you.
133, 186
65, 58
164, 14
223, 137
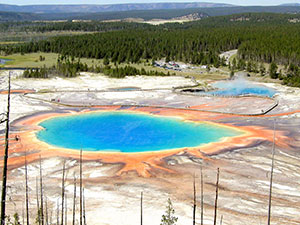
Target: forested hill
104, 16
143, 14
244, 19
291, 4
13, 16
211, 12
259, 37
92, 26
147, 14
88, 8
253, 9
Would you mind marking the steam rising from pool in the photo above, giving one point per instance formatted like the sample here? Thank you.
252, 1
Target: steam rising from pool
241, 86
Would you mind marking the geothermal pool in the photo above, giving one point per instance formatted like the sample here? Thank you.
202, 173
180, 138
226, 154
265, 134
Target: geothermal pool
239, 87
126, 89
129, 132
3, 61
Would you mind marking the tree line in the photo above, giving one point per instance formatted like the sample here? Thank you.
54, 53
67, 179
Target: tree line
67, 66
91, 26
259, 37
131, 46
197, 43
293, 76
241, 19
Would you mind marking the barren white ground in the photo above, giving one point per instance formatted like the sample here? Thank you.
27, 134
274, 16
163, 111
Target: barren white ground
112, 200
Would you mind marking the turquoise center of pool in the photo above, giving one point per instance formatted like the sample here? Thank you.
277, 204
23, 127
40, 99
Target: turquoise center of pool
128, 132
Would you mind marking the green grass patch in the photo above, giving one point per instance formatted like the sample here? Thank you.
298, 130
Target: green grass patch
17, 37
9, 42
30, 60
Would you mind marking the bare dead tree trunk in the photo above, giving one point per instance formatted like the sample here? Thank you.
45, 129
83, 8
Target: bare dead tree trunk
5, 158
221, 222
80, 164
41, 192
66, 208
194, 203
38, 202
63, 193
216, 200
84, 217
271, 178
74, 201
202, 202
141, 208
26, 190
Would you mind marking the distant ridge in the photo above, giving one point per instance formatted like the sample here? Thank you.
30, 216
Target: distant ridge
105, 8
291, 4
20, 16
147, 14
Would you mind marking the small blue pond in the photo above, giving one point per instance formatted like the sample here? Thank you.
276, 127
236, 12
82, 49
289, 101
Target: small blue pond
128, 132
126, 89
3, 61
241, 87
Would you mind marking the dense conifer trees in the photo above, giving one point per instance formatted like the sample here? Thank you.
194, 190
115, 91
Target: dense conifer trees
259, 37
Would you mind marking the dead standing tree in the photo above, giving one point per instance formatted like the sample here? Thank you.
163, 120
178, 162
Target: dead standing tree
80, 174
41, 193
26, 191
37, 201
5, 159
217, 195
271, 176
66, 209
63, 193
83, 205
202, 202
194, 202
74, 201
141, 208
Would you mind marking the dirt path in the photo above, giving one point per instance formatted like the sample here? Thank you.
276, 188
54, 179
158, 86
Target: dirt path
228, 55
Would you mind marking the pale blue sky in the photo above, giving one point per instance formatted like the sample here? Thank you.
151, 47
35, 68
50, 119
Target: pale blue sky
100, 2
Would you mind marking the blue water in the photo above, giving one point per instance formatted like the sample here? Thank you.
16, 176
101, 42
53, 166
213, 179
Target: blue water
3, 61
128, 132
241, 87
